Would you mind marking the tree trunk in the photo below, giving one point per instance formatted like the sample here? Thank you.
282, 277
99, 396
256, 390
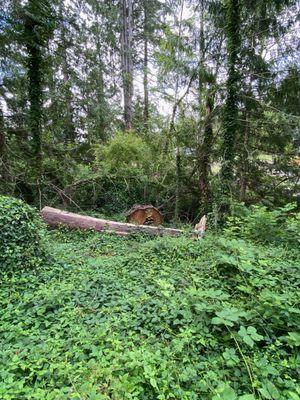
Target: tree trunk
101, 118
146, 90
70, 132
171, 129
127, 68
244, 161
4, 172
55, 218
204, 159
231, 107
201, 65
34, 73
2, 137
178, 184
36, 34
204, 125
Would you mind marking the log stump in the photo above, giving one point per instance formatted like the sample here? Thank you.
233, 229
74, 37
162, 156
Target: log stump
144, 215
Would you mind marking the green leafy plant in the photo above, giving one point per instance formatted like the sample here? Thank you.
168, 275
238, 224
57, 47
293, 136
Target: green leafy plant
20, 229
281, 226
139, 318
125, 153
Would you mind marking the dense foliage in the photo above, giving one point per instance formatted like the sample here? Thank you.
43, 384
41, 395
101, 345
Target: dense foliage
20, 230
186, 104
165, 318
192, 106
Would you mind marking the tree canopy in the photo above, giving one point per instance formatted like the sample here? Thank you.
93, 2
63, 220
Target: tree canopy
207, 91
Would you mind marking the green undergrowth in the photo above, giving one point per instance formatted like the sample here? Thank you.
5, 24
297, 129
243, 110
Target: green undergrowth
20, 232
140, 318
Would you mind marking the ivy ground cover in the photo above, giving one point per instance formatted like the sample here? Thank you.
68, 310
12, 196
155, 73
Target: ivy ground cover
166, 318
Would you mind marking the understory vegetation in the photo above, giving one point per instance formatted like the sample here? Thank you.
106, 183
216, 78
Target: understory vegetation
106, 317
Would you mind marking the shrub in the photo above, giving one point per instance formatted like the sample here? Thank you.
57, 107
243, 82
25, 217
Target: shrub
126, 153
280, 226
19, 234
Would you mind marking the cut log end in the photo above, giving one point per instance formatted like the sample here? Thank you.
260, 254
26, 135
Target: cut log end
144, 215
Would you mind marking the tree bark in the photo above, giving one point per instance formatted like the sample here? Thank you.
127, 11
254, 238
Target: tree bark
146, 89
204, 158
55, 218
201, 65
101, 118
127, 66
34, 73
244, 162
205, 123
231, 106
2, 136
4, 176
70, 132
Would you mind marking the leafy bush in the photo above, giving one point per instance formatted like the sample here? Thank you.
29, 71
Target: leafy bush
281, 226
19, 234
125, 153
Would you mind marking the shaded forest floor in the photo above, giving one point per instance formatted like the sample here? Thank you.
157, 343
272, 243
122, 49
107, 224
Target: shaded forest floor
138, 318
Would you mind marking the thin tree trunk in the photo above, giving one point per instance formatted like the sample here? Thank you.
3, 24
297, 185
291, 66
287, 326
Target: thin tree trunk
70, 132
2, 137
204, 159
146, 90
201, 65
3, 161
244, 160
101, 101
70, 127
178, 185
4, 167
204, 124
127, 66
100, 90
171, 129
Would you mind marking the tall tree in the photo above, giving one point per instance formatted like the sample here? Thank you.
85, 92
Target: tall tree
231, 107
146, 61
38, 27
204, 157
127, 63
64, 44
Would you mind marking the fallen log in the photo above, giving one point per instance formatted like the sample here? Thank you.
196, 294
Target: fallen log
56, 218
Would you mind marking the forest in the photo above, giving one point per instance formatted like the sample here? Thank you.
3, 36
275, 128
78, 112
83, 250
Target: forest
189, 109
